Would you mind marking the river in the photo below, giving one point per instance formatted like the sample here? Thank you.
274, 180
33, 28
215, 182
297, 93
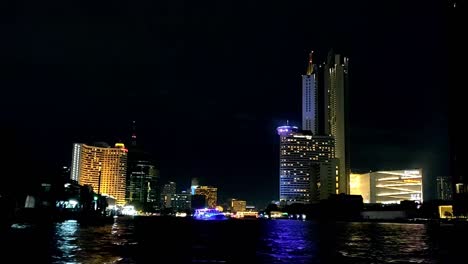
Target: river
174, 240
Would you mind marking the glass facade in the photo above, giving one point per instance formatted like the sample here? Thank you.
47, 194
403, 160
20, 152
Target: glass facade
142, 180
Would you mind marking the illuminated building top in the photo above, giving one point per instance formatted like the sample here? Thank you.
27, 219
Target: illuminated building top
238, 205
287, 130
310, 65
310, 98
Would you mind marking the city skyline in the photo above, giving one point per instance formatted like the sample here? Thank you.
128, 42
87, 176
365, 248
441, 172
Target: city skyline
203, 95
233, 131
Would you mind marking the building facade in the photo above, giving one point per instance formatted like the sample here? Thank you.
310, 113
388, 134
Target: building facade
182, 201
325, 178
306, 169
238, 205
389, 187
360, 185
102, 167
325, 108
167, 194
309, 98
444, 188
210, 193
336, 111
142, 180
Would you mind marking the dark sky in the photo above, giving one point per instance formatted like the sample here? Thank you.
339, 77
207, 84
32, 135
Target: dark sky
208, 82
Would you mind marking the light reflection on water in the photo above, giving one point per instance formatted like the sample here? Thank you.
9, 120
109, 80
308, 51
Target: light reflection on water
385, 243
287, 240
66, 240
92, 244
273, 241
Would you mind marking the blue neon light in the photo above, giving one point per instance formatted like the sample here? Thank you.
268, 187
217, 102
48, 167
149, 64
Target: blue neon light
208, 214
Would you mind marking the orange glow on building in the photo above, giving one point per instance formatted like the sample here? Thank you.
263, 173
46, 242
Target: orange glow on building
238, 205
210, 193
104, 168
359, 184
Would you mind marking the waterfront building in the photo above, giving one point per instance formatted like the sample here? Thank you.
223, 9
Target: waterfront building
389, 187
238, 205
182, 201
210, 193
308, 169
102, 167
142, 177
314, 161
336, 113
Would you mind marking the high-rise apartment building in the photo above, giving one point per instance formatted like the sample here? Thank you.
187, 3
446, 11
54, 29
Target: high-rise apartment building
325, 108
142, 177
307, 166
336, 112
210, 193
102, 167
142, 180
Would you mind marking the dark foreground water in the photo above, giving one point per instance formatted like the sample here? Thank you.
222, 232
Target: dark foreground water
161, 240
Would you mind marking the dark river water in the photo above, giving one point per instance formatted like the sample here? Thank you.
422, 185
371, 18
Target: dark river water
161, 240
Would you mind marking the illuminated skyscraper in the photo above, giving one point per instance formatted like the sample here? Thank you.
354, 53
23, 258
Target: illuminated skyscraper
336, 113
314, 163
142, 180
102, 167
142, 177
325, 108
388, 186
310, 98
210, 193
307, 166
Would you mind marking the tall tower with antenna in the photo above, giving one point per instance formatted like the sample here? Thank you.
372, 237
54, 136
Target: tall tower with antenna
309, 97
133, 142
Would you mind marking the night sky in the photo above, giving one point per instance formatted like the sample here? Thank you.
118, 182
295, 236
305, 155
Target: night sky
208, 82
